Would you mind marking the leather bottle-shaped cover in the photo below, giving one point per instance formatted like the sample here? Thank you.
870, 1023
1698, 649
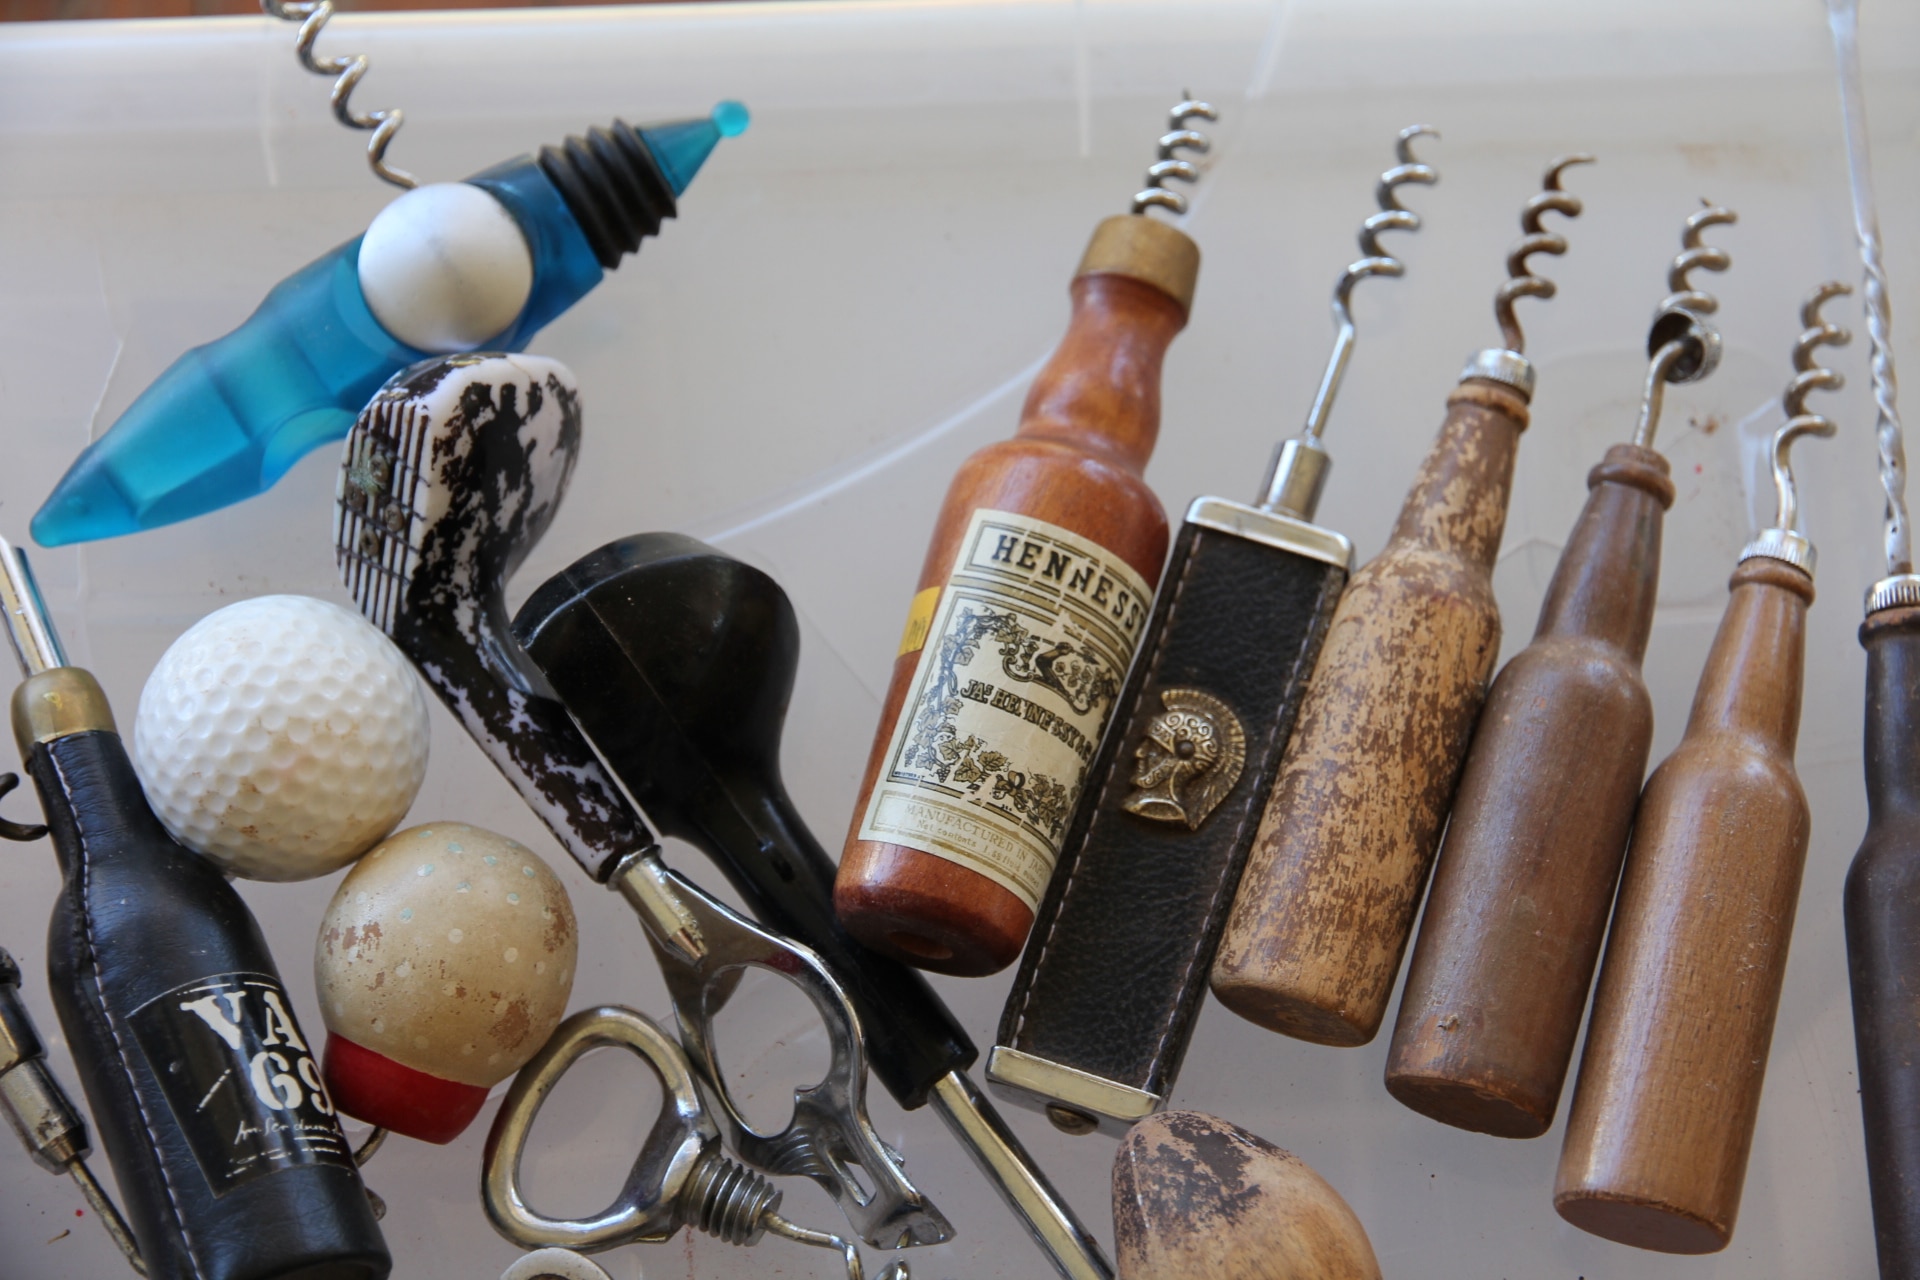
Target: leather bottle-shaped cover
1117, 967
205, 1092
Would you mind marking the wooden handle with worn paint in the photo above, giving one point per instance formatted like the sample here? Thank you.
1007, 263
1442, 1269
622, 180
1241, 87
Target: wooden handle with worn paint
1022, 631
1663, 1114
1196, 1198
1341, 856
1525, 878
1883, 938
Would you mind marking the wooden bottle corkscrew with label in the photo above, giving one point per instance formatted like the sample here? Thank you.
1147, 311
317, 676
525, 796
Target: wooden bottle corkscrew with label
1524, 883
1328, 897
1032, 601
1663, 1114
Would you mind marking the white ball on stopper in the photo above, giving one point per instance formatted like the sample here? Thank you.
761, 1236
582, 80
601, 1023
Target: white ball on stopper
445, 267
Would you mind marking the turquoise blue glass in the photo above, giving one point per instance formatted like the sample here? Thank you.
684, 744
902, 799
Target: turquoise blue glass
228, 419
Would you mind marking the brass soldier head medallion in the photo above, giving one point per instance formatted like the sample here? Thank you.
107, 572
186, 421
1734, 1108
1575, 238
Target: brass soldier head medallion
1189, 759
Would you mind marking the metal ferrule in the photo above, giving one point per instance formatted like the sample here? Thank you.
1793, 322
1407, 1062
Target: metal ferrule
1298, 478
1901, 591
1787, 545
1509, 368
58, 704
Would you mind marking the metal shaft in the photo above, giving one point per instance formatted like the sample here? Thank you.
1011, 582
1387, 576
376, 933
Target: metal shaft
35, 642
1843, 16
1067, 1243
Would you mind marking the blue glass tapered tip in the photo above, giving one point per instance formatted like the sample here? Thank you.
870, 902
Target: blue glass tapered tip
682, 147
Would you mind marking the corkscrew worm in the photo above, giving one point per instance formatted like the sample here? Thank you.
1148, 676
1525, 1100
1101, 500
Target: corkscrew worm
1808, 377
313, 16
1682, 344
1180, 138
1524, 284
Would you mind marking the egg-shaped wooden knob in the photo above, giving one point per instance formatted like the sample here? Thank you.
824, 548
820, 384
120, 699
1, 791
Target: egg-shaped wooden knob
1196, 1198
444, 962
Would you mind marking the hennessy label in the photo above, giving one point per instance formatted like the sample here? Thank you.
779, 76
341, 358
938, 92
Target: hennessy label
242, 1083
1025, 654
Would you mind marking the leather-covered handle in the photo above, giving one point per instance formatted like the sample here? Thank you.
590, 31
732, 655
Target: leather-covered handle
1663, 1114
1882, 907
1334, 879
1523, 883
1176, 794
153, 958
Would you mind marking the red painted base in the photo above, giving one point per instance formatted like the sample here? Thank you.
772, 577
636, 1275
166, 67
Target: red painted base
372, 1087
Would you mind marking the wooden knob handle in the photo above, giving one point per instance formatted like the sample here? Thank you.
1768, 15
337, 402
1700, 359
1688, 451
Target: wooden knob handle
1523, 883
1341, 855
1663, 1114
1196, 1198
1075, 465
1883, 938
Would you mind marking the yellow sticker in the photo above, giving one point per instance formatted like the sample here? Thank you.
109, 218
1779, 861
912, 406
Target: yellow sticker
919, 618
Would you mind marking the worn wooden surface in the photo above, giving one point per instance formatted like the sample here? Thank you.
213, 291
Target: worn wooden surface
1196, 1198
1663, 1114
1882, 907
1524, 881
1330, 890
1085, 434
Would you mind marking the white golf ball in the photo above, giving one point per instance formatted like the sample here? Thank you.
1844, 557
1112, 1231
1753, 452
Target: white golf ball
282, 737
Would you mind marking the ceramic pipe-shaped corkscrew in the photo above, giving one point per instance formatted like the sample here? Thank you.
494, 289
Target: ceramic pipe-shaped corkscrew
1663, 1114
1523, 883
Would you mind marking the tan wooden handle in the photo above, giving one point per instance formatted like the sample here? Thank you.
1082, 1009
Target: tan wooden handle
1663, 1114
1342, 852
1523, 884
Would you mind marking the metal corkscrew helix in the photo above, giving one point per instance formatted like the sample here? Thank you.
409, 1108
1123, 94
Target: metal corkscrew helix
1682, 344
313, 15
1299, 470
1179, 138
1523, 283
1784, 541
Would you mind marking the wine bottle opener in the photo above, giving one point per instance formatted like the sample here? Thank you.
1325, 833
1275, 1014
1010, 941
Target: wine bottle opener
1669, 1089
1093, 1033
1327, 900
449, 477
1524, 881
678, 661
681, 1177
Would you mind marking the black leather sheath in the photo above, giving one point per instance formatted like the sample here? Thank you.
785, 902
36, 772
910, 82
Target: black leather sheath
230, 1163
1116, 969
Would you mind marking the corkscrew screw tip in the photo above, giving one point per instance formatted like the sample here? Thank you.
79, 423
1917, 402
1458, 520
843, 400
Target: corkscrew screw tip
1522, 283
313, 16
1682, 344
1170, 163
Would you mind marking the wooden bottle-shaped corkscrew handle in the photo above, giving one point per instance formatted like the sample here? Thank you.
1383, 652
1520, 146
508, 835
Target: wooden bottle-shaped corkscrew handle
1334, 878
1513, 925
1522, 887
1882, 907
1033, 597
1663, 1114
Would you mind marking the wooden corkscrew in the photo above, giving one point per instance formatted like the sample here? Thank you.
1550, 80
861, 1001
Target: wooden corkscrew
1524, 882
1663, 1114
1031, 604
1328, 897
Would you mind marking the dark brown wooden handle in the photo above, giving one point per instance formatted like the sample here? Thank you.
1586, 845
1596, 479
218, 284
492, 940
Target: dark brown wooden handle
1196, 1198
1334, 879
1663, 1114
1523, 883
1883, 939
1088, 427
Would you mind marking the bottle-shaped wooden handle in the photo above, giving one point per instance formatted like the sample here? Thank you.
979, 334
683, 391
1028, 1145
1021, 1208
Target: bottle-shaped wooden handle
1523, 884
1330, 890
1883, 938
1663, 1114
1034, 595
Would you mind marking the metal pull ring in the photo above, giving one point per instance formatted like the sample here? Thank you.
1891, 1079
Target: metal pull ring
16, 830
649, 1204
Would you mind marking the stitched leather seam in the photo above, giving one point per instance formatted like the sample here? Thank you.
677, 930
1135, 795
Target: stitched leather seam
106, 1015
1100, 804
1320, 612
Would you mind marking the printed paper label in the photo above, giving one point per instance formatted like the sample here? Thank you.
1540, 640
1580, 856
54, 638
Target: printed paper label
243, 1085
1027, 650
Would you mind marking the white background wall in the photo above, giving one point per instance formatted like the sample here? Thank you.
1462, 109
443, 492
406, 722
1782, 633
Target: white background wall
855, 297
